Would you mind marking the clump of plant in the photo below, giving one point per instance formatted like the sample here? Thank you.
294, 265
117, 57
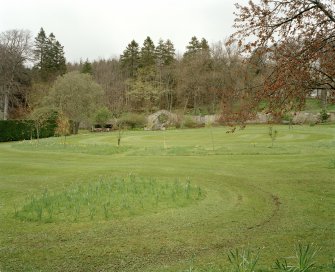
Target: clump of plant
189, 122
133, 120
163, 118
273, 135
288, 119
304, 260
102, 116
324, 116
332, 164
108, 198
243, 261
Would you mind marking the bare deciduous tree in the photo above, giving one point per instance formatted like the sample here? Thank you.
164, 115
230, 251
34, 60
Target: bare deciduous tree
15, 51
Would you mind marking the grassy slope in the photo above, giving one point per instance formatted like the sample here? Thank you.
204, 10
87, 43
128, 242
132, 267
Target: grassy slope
314, 106
261, 197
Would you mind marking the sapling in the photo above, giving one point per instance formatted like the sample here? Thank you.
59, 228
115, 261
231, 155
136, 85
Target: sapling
273, 135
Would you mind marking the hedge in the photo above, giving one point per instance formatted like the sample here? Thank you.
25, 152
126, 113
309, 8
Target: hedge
17, 130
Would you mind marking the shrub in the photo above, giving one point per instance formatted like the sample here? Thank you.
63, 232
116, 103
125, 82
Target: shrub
132, 121
189, 122
324, 116
163, 118
102, 116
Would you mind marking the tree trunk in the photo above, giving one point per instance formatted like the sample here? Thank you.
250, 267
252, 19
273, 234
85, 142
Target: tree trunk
75, 127
324, 99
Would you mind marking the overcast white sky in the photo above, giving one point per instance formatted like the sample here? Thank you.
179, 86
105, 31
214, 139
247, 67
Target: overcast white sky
102, 28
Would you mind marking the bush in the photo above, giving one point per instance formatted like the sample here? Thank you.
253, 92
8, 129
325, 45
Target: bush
163, 118
189, 122
49, 128
324, 116
132, 121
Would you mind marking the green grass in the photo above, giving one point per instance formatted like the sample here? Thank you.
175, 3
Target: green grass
108, 199
253, 195
314, 105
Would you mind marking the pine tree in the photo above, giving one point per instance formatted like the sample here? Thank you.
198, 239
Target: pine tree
87, 68
204, 44
49, 56
40, 48
147, 54
169, 52
130, 58
165, 52
60, 61
193, 46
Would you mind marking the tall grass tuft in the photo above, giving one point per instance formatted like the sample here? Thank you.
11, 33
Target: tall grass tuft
108, 198
243, 261
304, 257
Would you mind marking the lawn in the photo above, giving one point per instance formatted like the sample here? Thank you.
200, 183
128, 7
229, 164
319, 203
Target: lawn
166, 200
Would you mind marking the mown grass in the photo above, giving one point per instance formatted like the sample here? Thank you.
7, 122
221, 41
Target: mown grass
256, 196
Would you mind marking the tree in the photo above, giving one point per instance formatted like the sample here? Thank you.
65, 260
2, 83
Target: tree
49, 56
87, 68
144, 92
63, 126
192, 47
111, 76
102, 116
40, 49
194, 74
297, 38
165, 52
165, 58
195, 47
130, 58
76, 95
15, 51
41, 116
147, 53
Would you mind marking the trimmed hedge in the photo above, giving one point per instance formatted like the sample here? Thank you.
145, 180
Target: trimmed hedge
17, 130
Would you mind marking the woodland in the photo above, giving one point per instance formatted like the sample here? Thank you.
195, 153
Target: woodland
281, 52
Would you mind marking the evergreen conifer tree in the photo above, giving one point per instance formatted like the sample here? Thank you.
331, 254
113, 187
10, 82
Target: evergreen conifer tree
130, 58
165, 52
87, 68
40, 48
49, 56
169, 52
195, 47
147, 54
204, 44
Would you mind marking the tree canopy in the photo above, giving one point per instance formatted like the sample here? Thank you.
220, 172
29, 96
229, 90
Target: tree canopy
297, 40
15, 51
49, 56
76, 95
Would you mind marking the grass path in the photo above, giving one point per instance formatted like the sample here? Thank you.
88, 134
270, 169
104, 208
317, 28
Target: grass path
256, 196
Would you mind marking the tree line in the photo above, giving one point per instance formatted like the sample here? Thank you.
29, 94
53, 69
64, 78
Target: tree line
271, 63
